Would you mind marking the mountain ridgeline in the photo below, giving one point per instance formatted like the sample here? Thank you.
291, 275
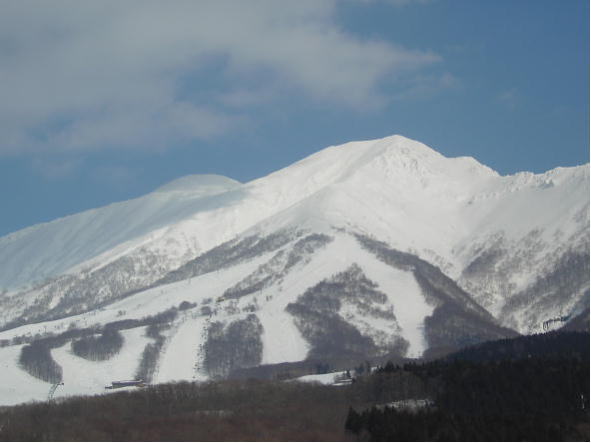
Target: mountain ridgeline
367, 251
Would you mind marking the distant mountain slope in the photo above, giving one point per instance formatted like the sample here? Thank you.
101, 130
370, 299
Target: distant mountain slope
382, 247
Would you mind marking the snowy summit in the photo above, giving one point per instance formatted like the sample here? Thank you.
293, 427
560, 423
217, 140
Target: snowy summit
365, 250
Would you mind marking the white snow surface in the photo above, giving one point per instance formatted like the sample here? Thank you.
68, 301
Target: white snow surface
85, 377
393, 189
80, 376
182, 358
324, 379
386, 182
18, 386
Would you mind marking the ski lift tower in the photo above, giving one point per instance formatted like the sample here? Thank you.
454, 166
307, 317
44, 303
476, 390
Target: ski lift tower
53, 389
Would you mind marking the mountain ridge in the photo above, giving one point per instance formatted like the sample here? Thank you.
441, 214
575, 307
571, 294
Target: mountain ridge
427, 253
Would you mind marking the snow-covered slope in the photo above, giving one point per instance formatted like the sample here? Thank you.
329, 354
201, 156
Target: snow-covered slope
368, 249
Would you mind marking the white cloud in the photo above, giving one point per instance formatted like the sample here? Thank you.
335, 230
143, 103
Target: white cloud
91, 75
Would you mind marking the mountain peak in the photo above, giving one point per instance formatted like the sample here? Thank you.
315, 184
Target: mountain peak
385, 244
399, 158
205, 184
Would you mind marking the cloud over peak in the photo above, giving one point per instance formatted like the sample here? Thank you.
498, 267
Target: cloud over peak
145, 74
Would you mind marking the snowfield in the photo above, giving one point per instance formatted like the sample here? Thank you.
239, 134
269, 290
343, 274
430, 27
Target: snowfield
259, 263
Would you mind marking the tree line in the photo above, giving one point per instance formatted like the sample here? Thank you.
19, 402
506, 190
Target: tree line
510, 390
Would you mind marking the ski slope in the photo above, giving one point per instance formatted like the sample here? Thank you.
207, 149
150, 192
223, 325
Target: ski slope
495, 236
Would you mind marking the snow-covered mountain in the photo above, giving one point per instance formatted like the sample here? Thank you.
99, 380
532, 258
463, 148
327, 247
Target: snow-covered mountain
373, 248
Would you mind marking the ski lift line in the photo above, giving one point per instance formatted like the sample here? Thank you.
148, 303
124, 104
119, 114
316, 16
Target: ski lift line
548, 323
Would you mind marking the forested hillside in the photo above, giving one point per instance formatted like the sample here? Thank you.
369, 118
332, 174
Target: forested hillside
526, 389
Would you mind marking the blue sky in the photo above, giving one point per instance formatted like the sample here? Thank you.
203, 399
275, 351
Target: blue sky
105, 101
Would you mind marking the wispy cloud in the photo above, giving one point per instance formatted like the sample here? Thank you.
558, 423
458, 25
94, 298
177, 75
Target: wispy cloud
508, 98
426, 86
56, 168
80, 76
114, 176
396, 2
